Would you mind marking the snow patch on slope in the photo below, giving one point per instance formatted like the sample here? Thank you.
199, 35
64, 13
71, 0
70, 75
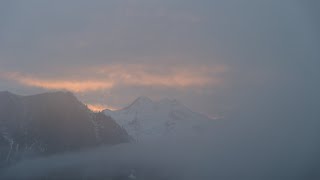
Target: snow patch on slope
147, 120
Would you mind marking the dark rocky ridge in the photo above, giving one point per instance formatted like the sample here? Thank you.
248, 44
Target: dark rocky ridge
51, 123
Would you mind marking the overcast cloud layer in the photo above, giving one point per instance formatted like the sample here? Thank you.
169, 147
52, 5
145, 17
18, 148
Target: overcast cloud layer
217, 57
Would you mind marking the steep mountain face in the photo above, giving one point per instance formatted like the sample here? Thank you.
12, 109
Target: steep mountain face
147, 120
51, 123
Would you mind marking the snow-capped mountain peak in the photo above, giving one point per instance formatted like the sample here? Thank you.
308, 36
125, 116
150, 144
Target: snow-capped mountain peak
146, 119
140, 102
143, 99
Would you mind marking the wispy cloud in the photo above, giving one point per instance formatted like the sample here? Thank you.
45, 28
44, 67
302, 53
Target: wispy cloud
110, 76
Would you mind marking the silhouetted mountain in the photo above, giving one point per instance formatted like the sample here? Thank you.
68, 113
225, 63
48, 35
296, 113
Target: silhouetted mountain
51, 123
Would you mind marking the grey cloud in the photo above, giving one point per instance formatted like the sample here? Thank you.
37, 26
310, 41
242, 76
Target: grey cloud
270, 46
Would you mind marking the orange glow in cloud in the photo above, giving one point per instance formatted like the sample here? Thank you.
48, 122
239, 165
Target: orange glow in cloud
107, 77
173, 77
99, 107
70, 85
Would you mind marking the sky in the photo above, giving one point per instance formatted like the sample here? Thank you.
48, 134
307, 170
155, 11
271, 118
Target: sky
218, 57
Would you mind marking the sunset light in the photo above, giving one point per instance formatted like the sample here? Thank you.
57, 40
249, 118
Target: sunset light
108, 77
99, 107
160, 89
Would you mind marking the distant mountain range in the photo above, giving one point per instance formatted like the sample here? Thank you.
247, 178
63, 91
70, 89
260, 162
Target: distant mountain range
146, 120
51, 123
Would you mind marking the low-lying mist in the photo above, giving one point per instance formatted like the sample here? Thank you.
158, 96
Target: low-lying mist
219, 155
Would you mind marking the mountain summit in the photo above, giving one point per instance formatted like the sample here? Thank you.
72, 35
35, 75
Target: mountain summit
145, 119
